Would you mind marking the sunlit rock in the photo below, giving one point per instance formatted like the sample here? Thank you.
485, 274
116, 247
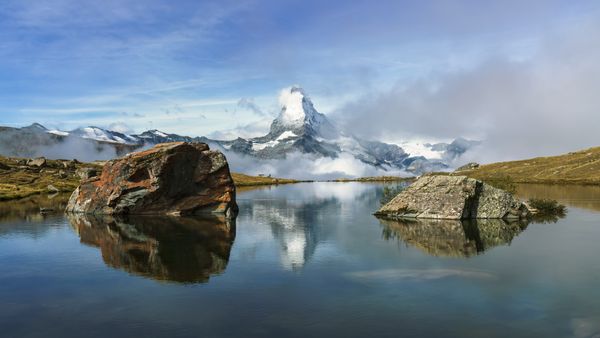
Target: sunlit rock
170, 179
453, 197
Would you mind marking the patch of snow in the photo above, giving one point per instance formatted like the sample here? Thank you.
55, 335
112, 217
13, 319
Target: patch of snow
281, 138
285, 135
160, 133
261, 146
58, 132
292, 110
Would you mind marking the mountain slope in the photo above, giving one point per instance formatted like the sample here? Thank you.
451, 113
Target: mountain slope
298, 129
580, 167
301, 128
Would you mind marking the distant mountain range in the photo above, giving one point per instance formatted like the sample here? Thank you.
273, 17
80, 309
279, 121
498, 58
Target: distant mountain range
299, 128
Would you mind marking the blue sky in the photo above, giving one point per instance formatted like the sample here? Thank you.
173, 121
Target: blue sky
184, 66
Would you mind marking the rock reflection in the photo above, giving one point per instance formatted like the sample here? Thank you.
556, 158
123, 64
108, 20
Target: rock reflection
452, 238
178, 249
28, 209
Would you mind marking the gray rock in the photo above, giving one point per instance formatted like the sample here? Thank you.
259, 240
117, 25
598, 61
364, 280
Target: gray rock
86, 173
52, 189
468, 166
36, 162
453, 197
62, 174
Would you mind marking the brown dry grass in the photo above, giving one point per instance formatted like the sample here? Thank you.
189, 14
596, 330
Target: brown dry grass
581, 167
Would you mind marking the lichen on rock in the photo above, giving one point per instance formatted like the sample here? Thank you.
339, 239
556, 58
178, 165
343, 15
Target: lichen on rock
453, 197
169, 179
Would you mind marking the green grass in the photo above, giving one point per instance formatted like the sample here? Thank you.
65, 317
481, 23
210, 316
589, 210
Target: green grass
242, 180
18, 180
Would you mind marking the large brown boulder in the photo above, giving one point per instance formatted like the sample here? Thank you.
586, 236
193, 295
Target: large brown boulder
176, 178
453, 197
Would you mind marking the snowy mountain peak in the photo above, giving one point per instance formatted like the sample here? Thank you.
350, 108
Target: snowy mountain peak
299, 116
296, 107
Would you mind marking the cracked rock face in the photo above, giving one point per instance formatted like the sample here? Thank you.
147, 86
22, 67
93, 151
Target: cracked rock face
453, 197
176, 178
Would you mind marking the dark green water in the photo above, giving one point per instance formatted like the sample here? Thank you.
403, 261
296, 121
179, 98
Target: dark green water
301, 260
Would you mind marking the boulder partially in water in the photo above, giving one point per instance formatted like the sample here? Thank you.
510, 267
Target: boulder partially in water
176, 178
453, 197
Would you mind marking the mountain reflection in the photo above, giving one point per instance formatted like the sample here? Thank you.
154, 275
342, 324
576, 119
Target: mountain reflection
178, 249
295, 226
301, 217
452, 238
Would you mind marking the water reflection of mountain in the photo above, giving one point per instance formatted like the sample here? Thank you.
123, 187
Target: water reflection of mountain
452, 238
302, 217
179, 249
295, 225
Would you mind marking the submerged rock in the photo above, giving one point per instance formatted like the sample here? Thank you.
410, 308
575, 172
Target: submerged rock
453, 197
170, 179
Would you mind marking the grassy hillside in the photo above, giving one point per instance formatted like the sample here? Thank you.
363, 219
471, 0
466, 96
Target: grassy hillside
581, 167
242, 180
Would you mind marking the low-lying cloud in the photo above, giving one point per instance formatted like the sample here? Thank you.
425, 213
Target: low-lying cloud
304, 166
15, 144
548, 104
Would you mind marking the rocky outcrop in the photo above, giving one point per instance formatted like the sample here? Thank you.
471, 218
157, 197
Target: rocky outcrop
36, 162
169, 179
453, 197
468, 166
86, 173
175, 249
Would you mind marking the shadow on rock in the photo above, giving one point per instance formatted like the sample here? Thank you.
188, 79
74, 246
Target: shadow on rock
452, 238
177, 249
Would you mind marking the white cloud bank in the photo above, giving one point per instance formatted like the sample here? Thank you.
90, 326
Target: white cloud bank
304, 166
548, 104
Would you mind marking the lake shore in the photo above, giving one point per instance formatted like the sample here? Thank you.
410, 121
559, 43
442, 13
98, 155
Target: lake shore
21, 178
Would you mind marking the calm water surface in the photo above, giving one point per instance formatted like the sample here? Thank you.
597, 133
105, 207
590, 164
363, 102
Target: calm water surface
301, 260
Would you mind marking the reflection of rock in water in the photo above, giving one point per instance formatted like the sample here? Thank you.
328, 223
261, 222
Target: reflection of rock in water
452, 238
28, 209
180, 249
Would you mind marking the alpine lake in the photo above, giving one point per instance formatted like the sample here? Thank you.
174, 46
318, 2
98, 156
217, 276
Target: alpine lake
300, 260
